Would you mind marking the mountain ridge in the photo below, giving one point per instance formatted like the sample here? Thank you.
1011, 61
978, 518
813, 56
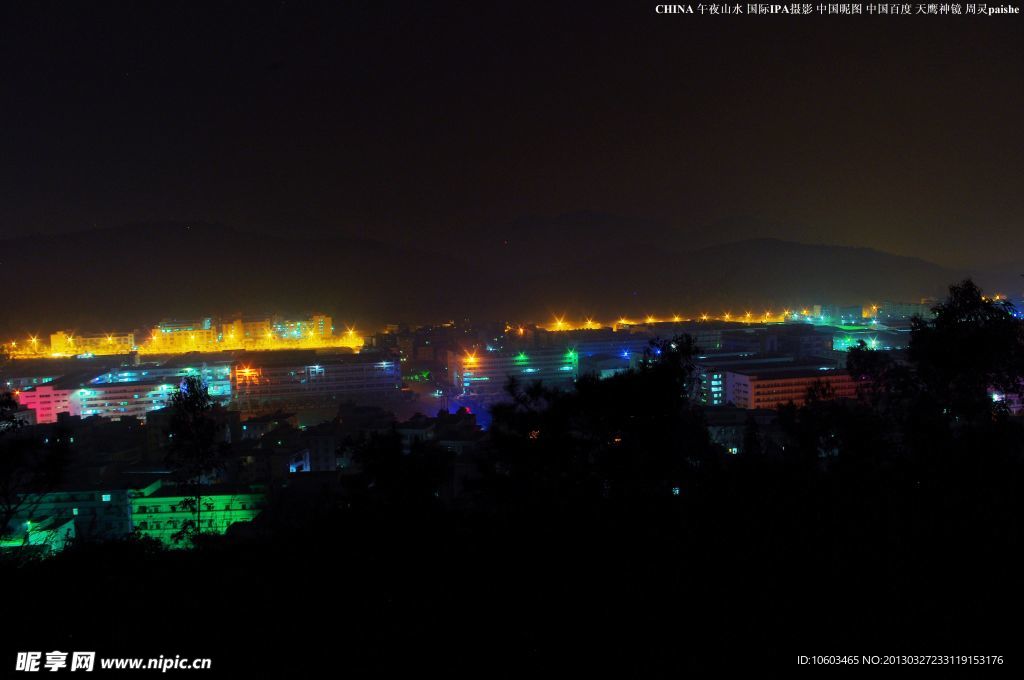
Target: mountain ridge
129, 275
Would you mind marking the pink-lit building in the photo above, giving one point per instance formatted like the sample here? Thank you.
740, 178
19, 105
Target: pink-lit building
46, 400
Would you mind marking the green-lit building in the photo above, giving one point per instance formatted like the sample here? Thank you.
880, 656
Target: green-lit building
158, 510
44, 536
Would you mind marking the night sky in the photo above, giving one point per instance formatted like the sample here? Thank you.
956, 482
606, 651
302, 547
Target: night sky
427, 121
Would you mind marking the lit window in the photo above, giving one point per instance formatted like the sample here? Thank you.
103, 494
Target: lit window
106, 498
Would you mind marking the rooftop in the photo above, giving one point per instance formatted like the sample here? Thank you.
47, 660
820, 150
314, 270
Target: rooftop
766, 373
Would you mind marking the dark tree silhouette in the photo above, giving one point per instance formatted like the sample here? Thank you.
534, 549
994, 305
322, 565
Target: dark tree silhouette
635, 434
194, 454
28, 469
974, 346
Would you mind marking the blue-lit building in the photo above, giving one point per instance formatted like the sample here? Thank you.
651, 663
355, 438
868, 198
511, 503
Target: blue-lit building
480, 377
116, 400
298, 379
215, 372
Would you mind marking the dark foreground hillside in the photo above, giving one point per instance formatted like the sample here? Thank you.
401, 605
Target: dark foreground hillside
706, 585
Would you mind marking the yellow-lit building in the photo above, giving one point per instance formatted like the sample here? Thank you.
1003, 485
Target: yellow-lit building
65, 343
321, 325
174, 337
240, 332
316, 327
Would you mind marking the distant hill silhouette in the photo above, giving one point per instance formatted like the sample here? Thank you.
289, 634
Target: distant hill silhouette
129, 275
605, 264
580, 263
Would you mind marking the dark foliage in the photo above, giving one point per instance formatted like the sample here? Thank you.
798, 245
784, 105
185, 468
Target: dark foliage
193, 452
28, 468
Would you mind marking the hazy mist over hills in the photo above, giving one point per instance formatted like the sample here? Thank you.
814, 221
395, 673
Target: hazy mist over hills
582, 263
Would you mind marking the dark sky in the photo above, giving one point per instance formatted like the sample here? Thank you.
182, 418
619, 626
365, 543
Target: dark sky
420, 120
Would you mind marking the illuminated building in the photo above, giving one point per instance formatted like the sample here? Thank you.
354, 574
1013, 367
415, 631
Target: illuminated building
46, 400
710, 369
157, 510
765, 388
53, 397
321, 326
21, 382
177, 336
63, 343
241, 332
707, 335
905, 310
890, 339
316, 327
212, 369
303, 378
607, 357
482, 375
46, 535
263, 334
96, 514
115, 400
837, 313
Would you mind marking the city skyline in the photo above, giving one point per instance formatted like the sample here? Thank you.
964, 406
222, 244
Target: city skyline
272, 332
